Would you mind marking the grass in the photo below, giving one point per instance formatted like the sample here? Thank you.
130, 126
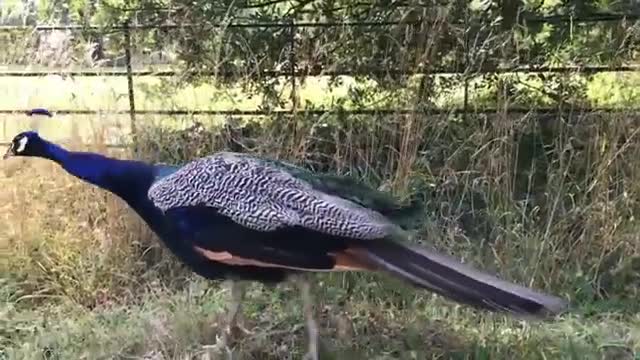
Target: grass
57, 92
110, 93
182, 325
83, 279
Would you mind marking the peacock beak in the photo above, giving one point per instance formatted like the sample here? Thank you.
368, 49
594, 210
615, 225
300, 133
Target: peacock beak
9, 152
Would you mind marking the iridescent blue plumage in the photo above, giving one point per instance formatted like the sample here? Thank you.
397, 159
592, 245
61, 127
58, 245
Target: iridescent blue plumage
162, 170
130, 180
234, 216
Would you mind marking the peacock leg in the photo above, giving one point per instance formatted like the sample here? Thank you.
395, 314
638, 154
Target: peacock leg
236, 292
312, 326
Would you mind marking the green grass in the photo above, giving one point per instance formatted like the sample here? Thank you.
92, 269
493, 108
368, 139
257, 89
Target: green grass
110, 93
375, 321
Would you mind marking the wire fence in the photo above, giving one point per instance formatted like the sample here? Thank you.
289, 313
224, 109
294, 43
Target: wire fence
302, 24
296, 71
320, 112
305, 72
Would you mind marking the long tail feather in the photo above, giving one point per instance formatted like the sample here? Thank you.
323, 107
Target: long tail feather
456, 281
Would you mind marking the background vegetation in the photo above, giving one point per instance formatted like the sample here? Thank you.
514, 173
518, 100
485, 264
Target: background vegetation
519, 174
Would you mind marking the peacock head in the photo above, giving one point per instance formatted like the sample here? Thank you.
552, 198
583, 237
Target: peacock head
27, 143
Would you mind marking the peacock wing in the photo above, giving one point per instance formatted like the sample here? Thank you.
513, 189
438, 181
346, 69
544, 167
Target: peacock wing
264, 197
352, 189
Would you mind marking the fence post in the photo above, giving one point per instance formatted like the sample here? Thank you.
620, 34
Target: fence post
467, 60
132, 103
292, 65
293, 122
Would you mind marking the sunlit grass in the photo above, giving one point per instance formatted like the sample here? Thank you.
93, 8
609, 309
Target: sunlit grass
111, 93
183, 324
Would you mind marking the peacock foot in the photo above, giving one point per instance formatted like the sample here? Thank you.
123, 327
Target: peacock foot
238, 331
221, 349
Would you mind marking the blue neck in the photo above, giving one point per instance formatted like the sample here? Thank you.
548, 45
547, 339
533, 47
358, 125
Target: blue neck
129, 180
108, 173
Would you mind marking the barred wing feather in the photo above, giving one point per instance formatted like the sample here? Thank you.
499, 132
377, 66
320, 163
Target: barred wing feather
264, 198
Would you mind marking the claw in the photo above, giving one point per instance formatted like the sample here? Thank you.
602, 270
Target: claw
220, 348
241, 330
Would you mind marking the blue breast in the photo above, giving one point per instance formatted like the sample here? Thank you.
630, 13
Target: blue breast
163, 170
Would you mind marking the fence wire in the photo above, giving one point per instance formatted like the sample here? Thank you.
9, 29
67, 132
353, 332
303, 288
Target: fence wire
294, 71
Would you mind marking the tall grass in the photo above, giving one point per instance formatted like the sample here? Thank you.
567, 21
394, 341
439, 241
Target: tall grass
547, 202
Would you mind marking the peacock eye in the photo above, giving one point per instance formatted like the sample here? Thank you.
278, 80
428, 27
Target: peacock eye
21, 144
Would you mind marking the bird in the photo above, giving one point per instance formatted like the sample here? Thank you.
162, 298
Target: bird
240, 217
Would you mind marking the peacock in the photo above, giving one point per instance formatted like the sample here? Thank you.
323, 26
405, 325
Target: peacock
239, 217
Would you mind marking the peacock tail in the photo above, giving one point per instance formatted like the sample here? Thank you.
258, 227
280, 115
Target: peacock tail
244, 211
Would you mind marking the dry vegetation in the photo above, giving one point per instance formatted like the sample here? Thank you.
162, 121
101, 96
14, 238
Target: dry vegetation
544, 202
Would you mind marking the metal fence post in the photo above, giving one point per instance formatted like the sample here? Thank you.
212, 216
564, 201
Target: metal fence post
293, 121
132, 103
292, 65
467, 61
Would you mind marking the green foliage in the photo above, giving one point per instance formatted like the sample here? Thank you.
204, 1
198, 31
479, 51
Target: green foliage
432, 36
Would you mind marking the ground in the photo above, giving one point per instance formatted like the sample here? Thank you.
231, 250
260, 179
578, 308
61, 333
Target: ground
394, 324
